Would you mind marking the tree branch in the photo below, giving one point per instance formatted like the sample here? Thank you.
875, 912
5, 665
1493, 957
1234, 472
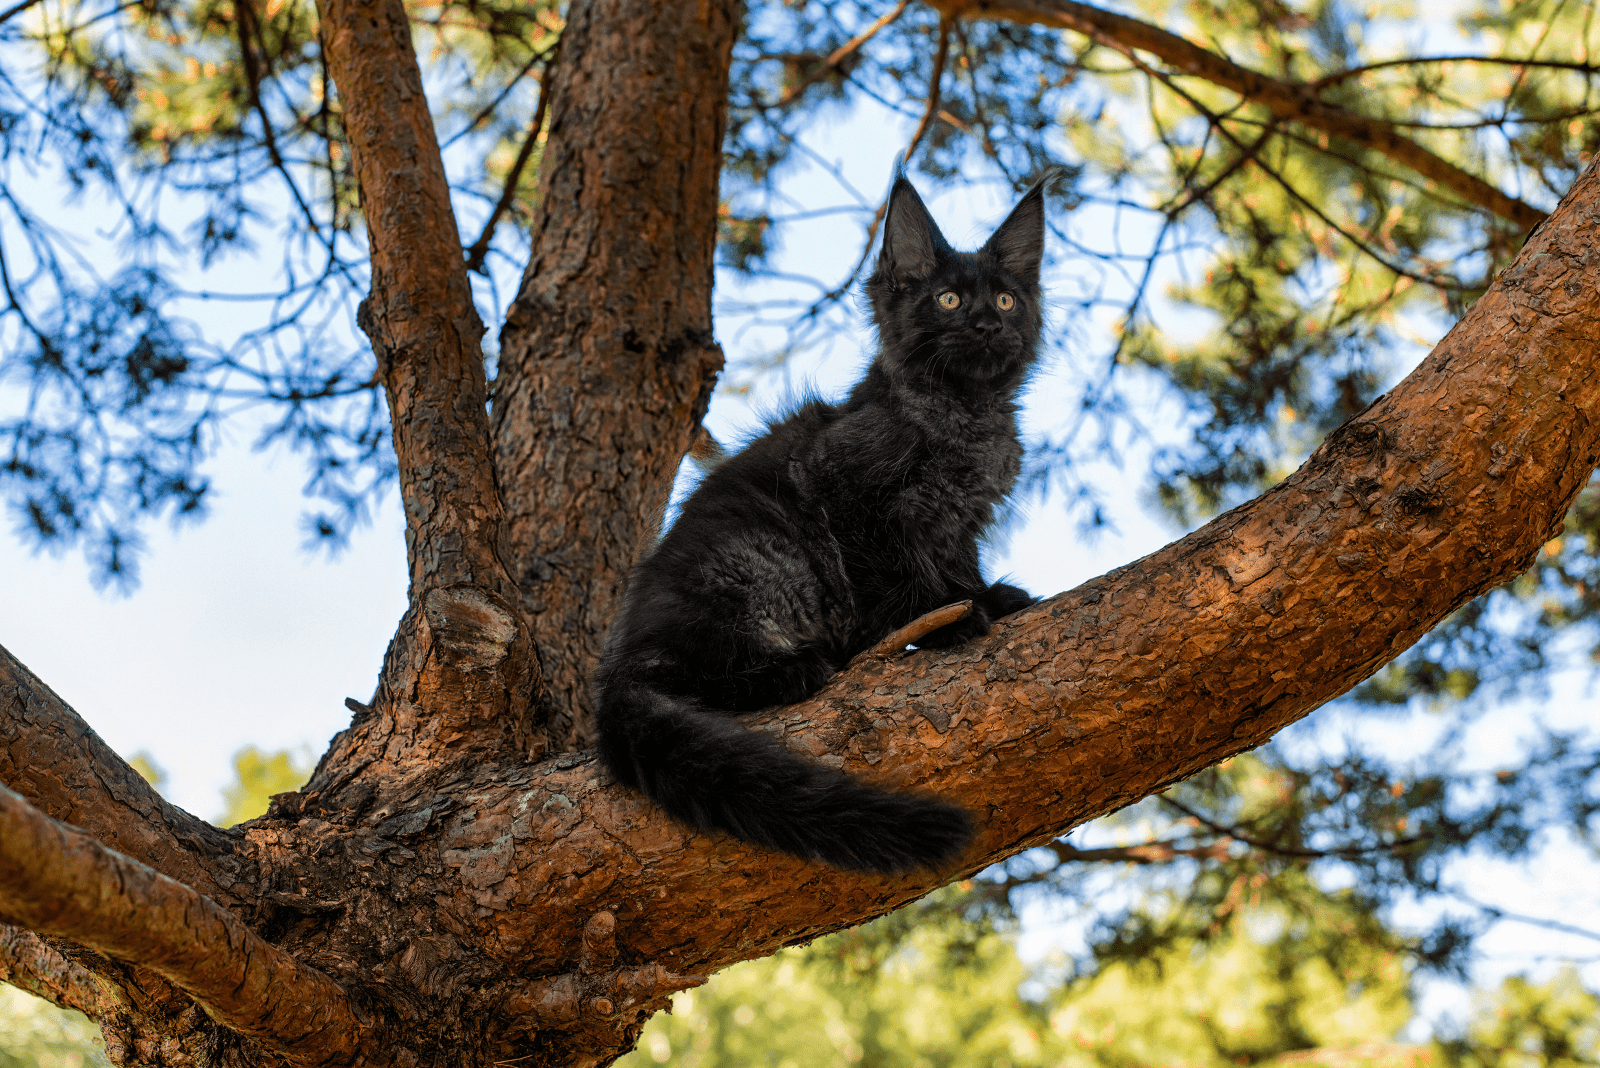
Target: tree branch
935, 79
480, 247
424, 328
834, 58
1286, 100
1237, 835
52, 757
599, 396
29, 963
895, 644
1441, 490
1143, 853
58, 881
460, 674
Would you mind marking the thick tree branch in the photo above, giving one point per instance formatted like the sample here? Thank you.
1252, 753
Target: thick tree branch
1084, 703
607, 358
419, 315
1286, 100
30, 963
461, 672
51, 756
58, 881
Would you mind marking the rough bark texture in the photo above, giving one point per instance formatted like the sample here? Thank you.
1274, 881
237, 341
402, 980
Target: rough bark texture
56, 880
461, 671
446, 898
607, 358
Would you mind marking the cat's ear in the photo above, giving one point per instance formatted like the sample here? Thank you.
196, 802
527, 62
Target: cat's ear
1018, 243
912, 243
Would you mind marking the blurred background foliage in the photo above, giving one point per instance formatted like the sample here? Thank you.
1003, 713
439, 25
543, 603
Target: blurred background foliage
1234, 277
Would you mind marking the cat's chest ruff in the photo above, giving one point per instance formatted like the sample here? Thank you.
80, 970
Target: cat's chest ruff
883, 462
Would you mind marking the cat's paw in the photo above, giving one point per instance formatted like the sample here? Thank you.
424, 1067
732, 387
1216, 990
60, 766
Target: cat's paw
1002, 599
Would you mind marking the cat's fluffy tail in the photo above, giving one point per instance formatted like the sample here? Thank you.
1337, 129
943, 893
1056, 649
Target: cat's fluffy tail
706, 770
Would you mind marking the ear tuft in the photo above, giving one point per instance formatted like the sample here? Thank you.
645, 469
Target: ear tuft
912, 242
1018, 243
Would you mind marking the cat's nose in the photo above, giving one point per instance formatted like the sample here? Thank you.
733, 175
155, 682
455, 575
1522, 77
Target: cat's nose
987, 323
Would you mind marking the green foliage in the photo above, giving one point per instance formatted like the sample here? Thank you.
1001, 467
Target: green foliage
938, 992
940, 984
1527, 1025
1289, 976
260, 775
36, 1034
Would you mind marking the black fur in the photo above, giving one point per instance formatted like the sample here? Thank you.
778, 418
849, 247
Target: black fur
840, 524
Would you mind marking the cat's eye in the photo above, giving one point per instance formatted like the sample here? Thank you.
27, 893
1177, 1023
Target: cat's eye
1006, 301
948, 301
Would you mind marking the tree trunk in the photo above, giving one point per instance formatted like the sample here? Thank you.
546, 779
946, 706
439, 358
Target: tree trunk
459, 884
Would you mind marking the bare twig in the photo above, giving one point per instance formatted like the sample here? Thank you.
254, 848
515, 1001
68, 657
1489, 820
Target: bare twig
249, 31
934, 80
1437, 281
500, 98
1495, 912
923, 625
56, 880
480, 247
1419, 61
1286, 851
837, 56
1291, 101
1143, 853
22, 5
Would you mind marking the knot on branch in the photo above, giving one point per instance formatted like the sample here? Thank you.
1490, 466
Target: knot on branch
597, 993
470, 625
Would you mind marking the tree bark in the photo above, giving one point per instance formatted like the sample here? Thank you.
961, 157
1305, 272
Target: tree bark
467, 903
607, 359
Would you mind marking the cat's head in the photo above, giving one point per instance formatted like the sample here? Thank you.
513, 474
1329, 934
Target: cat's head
958, 316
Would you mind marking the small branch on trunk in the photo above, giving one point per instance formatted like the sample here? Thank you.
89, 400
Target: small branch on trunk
58, 881
921, 627
596, 992
565, 1001
30, 963
480, 247
934, 80
1290, 101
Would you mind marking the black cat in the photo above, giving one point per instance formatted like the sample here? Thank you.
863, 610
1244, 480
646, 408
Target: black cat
840, 524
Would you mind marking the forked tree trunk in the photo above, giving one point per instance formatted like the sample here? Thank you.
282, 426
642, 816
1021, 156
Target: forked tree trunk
460, 884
